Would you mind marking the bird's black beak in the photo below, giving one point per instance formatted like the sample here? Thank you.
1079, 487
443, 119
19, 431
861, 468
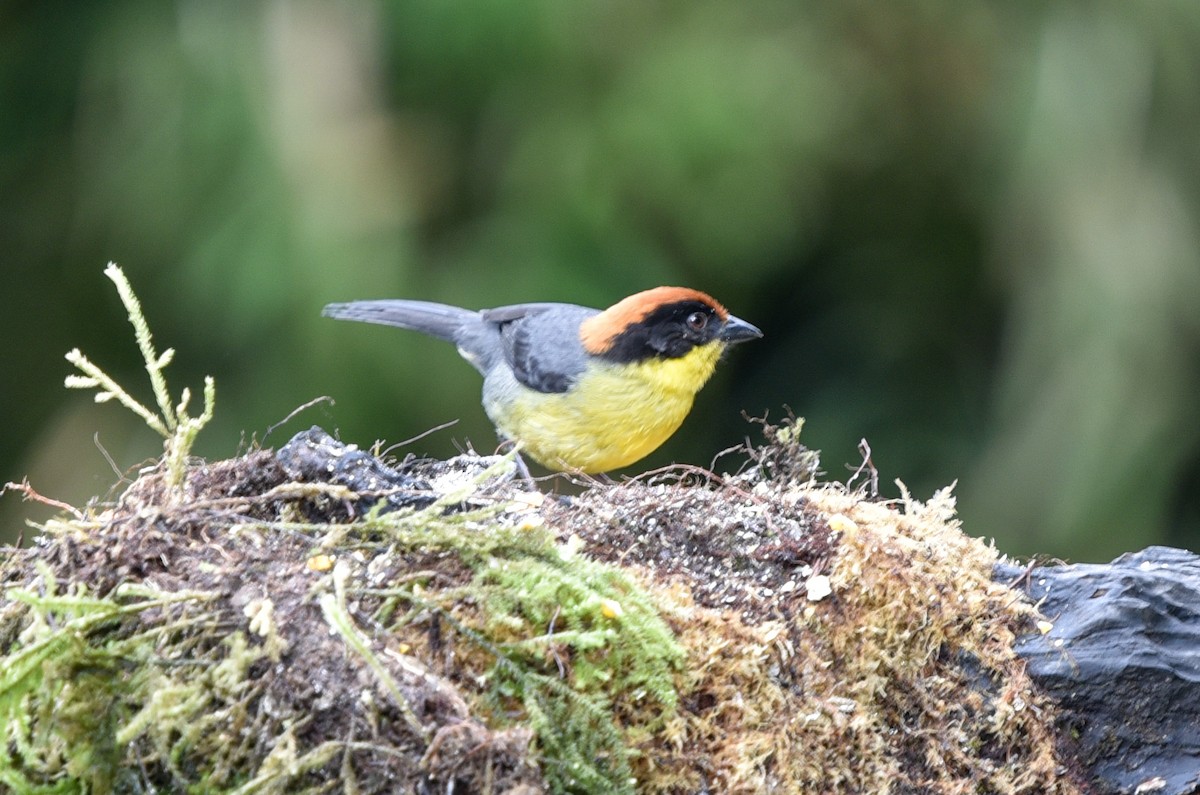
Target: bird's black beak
738, 330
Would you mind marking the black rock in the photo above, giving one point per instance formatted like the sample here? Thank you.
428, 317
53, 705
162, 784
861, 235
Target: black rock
313, 456
1123, 660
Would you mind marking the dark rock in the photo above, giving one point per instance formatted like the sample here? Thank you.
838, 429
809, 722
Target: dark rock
313, 456
1123, 660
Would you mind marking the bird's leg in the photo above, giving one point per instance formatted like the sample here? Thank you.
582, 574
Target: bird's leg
522, 468
523, 471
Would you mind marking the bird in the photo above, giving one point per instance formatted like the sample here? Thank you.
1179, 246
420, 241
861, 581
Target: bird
579, 389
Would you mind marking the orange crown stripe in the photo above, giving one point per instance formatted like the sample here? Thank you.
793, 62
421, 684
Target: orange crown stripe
598, 332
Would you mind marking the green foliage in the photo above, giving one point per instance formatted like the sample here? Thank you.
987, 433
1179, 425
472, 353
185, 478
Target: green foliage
569, 637
77, 686
173, 422
564, 615
92, 696
582, 750
632, 652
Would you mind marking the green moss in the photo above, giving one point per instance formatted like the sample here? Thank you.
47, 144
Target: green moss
574, 643
74, 683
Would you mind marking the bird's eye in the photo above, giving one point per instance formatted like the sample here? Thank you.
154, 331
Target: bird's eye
697, 321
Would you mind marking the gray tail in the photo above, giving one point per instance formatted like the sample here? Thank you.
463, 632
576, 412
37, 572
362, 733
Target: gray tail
437, 320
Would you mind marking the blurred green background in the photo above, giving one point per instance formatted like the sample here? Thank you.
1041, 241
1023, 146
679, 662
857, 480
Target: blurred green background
969, 231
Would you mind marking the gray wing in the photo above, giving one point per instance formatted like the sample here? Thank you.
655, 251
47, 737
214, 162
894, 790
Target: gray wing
505, 314
540, 342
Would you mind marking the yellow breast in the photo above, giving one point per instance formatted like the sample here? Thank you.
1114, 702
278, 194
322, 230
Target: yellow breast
613, 416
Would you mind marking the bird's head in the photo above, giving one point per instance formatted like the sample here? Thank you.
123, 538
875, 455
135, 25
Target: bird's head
662, 323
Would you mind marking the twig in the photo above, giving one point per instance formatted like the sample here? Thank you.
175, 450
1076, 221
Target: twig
104, 452
297, 410
420, 436
31, 495
868, 466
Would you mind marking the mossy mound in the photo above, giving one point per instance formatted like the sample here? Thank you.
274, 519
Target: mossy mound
349, 626
834, 643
